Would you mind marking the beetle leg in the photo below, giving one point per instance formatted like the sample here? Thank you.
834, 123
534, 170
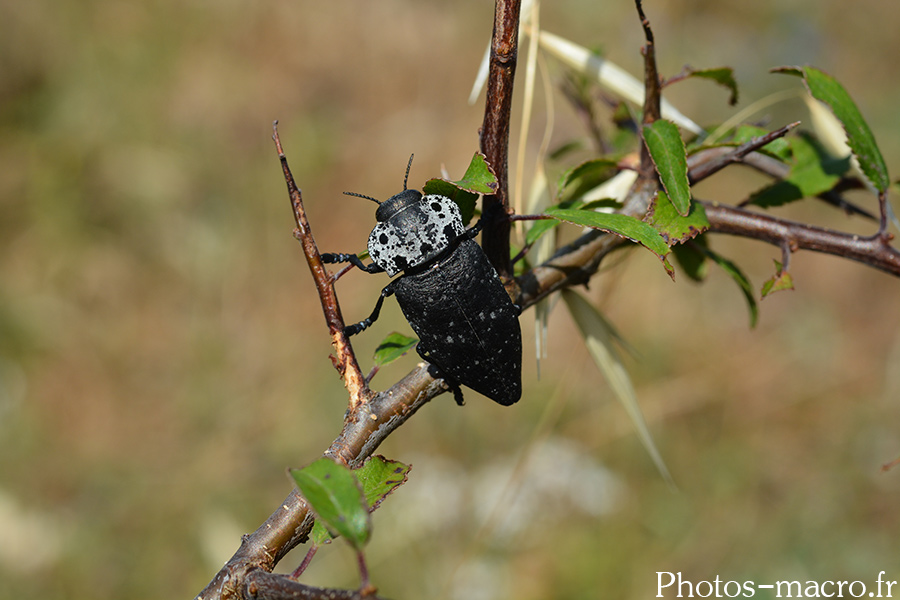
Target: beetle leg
472, 231
332, 258
362, 325
438, 373
457, 391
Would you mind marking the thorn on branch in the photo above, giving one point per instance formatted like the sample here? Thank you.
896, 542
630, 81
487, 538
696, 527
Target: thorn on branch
701, 171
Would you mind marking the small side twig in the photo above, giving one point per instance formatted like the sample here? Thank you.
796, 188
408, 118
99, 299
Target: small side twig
301, 568
890, 464
699, 170
786, 250
884, 211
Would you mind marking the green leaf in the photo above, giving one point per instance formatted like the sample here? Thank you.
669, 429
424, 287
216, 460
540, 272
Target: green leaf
478, 179
379, 477
739, 278
623, 225
776, 194
667, 151
609, 203
539, 228
812, 172
393, 347
782, 280
674, 228
827, 90
334, 494
692, 260
465, 199
319, 534
598, 336
724, 76
588, 174
566, 148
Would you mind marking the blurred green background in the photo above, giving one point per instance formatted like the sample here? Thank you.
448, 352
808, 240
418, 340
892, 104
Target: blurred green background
163, 357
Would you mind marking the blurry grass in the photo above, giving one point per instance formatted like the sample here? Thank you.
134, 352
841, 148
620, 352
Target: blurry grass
163, 359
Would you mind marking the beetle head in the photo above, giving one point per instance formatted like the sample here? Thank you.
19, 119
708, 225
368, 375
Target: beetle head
396, 204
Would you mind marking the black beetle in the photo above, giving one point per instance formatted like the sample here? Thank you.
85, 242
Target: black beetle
467, 325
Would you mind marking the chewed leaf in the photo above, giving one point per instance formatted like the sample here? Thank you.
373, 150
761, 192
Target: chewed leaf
478, 179
623, 225
465, 199
782, 280
674, 228
379, 477
479, 176
667, 151
334, 494
393, 347
826, 89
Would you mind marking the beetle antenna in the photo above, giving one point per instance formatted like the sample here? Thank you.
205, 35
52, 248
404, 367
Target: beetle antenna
362, 196
408, 166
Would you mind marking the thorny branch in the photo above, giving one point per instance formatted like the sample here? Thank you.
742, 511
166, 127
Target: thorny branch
372, 417
345, 360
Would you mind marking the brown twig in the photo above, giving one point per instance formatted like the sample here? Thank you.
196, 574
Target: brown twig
344, 360
890, 464
874, 251
652, 94
702, 166
883, 232
495, 132
262, 584
363, 431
